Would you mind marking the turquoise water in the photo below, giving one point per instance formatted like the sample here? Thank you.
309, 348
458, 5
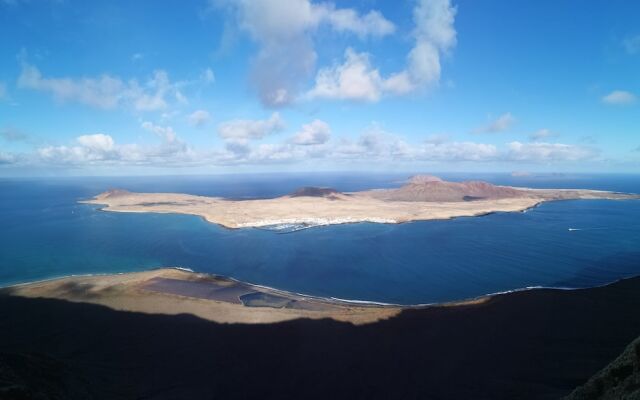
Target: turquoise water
46, 233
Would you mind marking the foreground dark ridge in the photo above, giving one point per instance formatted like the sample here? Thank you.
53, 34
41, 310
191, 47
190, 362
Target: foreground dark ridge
618, 380
538, 344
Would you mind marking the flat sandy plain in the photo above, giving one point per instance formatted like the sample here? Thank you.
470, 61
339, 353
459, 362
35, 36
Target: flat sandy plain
421, 199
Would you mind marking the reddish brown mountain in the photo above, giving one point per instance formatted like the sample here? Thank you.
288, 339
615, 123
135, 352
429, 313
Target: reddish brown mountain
111, 193
431, 188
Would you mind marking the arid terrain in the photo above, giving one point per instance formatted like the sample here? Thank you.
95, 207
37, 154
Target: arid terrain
421, 198
174, 291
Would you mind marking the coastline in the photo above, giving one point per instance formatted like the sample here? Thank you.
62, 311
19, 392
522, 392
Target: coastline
104, 289
173, 291
311, 223
422, 199
453, 213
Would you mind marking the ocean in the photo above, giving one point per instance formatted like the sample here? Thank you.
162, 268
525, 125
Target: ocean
46, 233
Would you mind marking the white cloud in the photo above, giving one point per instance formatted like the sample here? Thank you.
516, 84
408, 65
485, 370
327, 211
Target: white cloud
619, 97
435, 34
199, 118
251, 129
101, 149
90, 149
500, 124
354, 80
240, 152
632, 44
434, 23
437, 139
98, 142
313, 143
155, 96
135, 57
377, 145
105, 91
208, 76
7, 158
316, 132
357, 79
266, 20
368, 148
398, 83
238, 147
166, 133
274, 153
546, 152
284, 31
375, 140
370, 24
11, 134
542, 134
459, 151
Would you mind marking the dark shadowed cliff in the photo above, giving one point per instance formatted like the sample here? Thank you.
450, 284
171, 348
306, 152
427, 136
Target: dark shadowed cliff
528, 345
618, 380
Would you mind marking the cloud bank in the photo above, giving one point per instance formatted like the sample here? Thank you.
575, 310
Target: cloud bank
316, 132
357, 79
251, 129
313, 142
105, 91
284, 30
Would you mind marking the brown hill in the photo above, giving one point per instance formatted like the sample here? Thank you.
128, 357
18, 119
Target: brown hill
420, 179
111, 193
312, 191
431, 188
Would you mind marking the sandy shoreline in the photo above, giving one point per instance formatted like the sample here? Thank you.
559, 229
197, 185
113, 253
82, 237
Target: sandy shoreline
172, 291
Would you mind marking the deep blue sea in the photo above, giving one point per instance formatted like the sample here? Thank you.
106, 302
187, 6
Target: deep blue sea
46, 233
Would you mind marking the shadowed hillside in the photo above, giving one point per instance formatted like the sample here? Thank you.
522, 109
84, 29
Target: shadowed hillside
528, 345
618, 380
311, 191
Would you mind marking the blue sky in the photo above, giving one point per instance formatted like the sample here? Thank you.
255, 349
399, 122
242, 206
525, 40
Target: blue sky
120, 87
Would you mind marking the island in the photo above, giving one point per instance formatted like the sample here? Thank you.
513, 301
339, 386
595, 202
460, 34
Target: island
423, 197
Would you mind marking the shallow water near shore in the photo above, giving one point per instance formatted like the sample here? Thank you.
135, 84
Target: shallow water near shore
46, 233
